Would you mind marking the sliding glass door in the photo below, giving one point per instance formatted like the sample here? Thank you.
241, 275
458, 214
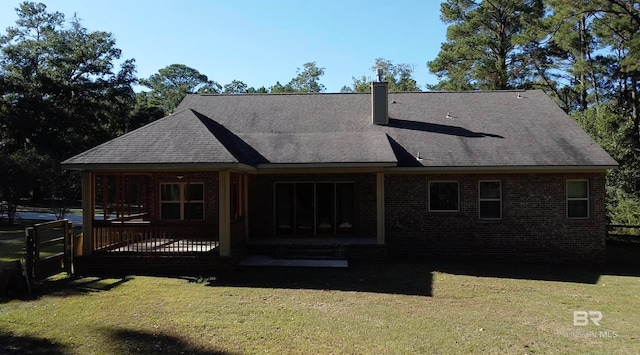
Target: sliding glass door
314, 208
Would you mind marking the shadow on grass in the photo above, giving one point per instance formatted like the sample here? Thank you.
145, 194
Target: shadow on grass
66, 286
415, 277
540, 272
79, 285
13, 344
392, 277
138, 342
622, 259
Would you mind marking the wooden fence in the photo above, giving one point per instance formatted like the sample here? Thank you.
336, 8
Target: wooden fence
49, 249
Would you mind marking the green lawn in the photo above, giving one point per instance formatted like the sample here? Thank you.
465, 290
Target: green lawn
384, 308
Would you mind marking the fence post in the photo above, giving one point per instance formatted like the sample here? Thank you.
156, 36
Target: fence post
31, 251
68, 247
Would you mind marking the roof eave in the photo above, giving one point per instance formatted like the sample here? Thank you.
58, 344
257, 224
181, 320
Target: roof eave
506, 169
326, 165
151, 167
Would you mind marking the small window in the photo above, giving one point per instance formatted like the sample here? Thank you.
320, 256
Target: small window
490, 199
182, 201
443, 196
577, 199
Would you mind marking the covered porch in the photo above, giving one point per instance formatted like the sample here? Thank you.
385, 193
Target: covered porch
164, 213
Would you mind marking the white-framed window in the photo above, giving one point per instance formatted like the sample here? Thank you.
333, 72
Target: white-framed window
490, 199
182, 201
444, 196
578, 199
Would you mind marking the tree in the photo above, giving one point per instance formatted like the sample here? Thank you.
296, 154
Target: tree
144, 112
278, 88
239, 87
236, 87
260, 90
585, 54
618, 29
399, 77
59, 96
307, 80
172, 83
482, 50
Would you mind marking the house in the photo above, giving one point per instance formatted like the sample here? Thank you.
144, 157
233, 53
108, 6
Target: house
492, 175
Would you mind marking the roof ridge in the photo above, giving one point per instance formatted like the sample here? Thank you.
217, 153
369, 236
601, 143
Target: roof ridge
367, 93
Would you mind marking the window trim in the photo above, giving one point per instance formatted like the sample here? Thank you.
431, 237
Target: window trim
183, 200
429, 195
587, 199
480, 200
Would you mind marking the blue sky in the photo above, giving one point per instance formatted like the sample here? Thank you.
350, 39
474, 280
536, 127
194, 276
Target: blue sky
261, 42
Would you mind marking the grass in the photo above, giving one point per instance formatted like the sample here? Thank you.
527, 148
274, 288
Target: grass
388, 308
385, 308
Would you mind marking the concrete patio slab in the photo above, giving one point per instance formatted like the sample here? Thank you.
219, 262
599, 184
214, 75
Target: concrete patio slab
263, 260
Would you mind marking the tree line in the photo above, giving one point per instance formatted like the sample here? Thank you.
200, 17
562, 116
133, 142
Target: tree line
61, 91
584, 54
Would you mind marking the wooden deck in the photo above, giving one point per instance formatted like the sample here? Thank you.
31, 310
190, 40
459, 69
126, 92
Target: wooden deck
148, 238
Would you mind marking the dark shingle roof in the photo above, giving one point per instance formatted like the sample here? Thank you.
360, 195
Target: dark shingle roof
183, 137
447, 129
318, 148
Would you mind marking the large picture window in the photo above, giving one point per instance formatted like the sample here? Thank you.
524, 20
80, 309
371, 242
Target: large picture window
577, 199
490, 199
314, 208
182, 201
444, 196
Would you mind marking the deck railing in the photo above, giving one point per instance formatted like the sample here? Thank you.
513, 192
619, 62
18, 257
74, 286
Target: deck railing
146, 237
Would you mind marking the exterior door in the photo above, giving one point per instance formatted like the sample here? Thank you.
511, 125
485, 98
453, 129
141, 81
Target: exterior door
314, 208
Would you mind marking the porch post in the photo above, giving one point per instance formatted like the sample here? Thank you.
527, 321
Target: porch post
245, 206
380, 207
224, 218
87, 212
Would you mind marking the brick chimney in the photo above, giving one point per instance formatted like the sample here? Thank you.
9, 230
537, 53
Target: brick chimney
380, 100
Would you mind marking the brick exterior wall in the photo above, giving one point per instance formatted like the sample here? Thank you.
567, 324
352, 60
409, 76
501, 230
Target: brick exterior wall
261, 200
533, 227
